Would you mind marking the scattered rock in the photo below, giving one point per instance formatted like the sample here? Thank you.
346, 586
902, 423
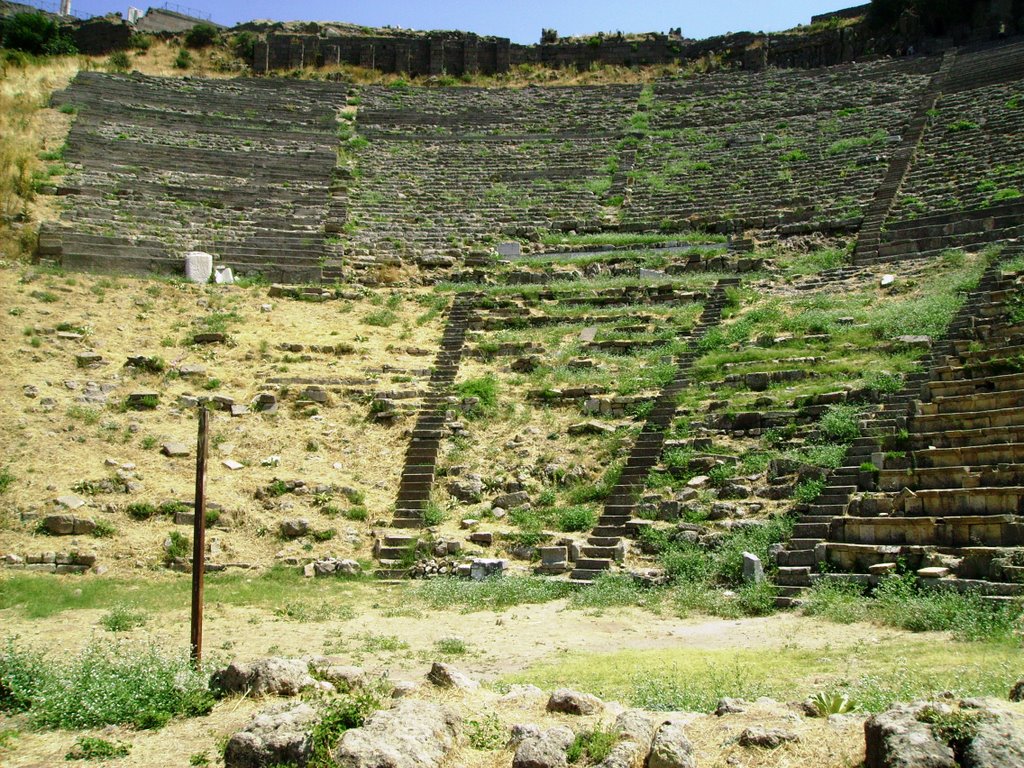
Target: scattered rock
414, 734
753, 570
574, 703
897, 739
727, 706
591, 428
1017, 692
174, 450
671, 748
280, 735
273, 676
636, 733
293, 528
447, 676
70, 501
767, 738
543, 750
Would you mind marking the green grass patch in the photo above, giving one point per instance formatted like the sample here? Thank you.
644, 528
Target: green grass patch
493, 594
871, 675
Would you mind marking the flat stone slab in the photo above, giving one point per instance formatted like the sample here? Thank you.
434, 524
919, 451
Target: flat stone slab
232, 464
589, 333
174, 450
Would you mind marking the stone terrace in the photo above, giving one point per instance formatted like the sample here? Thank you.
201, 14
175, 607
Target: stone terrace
967, 186
804, 150
937, 482
447, 170
161, 166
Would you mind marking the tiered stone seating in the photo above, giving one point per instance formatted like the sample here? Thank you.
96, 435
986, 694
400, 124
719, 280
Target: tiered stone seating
161, 166
449, 169
949, 490
799, 150
967, 185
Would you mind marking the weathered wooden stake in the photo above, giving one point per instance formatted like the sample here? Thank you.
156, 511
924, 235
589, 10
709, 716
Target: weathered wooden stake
199, 536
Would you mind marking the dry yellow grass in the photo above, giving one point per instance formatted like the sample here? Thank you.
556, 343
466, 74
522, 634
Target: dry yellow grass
55, 441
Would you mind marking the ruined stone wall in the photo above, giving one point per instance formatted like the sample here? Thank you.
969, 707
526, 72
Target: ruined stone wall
453, 54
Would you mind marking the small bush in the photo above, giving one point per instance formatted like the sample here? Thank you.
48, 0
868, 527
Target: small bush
576, 519
140, 510
122, 618
35, 33
202, 35
382, 318
104, 529
434, 514
839, 424
487, 733
339, 714
140, 41
119, 61
451, 646
485, 390
183, 59
808, 490
6, 479
93, 748
178, 548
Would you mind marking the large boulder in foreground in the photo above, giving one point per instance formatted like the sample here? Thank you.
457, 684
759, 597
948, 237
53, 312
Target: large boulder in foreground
279, 735
973, 733
414, 734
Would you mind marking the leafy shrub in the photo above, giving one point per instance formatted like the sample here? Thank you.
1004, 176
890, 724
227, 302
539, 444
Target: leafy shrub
202, 35
6, 479
106, 684
140, 510
183, 59
382, 318
119, 61
35, 33
808, 490
244, 45
487, 733
839, 424
178, 547
339, 714
140, 41
830, 703
576, 519
434, 514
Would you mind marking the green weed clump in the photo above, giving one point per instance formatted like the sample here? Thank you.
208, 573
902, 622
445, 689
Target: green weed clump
122, 618
94, 748
591, 747
339, 714
106, 684
485, 390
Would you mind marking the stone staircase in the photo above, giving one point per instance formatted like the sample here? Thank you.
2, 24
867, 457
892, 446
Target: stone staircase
424, 443
870, 234
956, 494
606, 543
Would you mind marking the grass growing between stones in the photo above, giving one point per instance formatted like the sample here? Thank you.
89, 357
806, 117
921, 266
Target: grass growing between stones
871, 675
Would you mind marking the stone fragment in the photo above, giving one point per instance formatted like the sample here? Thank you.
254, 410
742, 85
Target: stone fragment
590, 428
59, 525
70, 501
294, 527
545, 749
223, 276
233, 465
413, 734
273, 676
447, 676
280, 735
174, 450
753, 570
886, 281
572, 702
671, 748
897, 739
198, 267
766, 738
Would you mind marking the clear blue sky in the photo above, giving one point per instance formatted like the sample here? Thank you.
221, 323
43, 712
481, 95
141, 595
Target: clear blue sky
520, 20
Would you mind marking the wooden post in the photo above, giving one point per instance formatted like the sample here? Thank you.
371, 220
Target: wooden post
199, 536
